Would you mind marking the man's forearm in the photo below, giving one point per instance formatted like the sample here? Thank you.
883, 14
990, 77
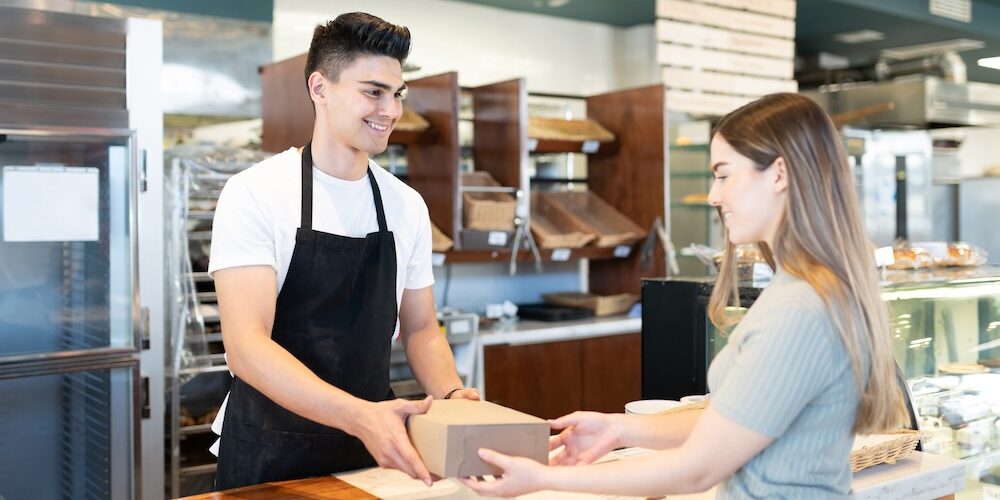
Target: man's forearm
432, 362
273, 371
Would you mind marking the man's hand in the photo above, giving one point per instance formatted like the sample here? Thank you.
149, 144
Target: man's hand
586, 436
382, 429
466, 393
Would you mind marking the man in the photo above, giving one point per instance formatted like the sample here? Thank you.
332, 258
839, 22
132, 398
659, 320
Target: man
312, 252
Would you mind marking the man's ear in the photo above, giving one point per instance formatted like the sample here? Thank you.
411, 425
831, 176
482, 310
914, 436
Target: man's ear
780, 175
317, 87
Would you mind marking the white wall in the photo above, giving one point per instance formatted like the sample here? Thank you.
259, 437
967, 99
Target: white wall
486, 44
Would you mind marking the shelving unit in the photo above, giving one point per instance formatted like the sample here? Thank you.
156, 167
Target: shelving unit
692, 222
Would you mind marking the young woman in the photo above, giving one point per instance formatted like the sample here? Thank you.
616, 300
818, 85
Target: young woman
807, 367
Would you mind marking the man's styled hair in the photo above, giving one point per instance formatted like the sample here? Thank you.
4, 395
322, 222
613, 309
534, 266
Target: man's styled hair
338, 43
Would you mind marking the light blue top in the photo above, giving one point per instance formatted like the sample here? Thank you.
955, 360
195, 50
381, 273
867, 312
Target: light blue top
785, 373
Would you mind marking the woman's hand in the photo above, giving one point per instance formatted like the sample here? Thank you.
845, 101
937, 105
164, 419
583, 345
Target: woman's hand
520, 476
586, 436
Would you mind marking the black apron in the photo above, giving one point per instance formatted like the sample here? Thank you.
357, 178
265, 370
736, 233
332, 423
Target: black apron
336, 313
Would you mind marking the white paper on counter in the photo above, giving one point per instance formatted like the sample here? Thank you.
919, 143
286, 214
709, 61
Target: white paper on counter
43, 203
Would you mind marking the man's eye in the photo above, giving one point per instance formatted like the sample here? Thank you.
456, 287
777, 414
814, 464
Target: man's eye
374, 92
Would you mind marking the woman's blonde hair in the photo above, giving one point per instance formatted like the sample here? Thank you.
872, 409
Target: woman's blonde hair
820, 239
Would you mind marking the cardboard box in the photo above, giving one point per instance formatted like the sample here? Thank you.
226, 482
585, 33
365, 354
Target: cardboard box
449, 436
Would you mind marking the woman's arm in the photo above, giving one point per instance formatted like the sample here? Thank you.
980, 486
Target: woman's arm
716, 448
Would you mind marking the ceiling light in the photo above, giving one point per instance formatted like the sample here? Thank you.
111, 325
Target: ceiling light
989, 62
860, 36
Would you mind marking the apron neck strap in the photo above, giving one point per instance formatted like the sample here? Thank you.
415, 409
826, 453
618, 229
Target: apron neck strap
307, 192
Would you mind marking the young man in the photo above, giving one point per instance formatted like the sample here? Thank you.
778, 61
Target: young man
316, 254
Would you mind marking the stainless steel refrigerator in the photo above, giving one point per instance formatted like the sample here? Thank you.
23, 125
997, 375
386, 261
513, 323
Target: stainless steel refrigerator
69, 314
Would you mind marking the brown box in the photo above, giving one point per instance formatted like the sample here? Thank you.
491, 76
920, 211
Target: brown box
448, 437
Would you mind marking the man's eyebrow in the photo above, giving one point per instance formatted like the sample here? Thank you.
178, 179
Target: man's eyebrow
383, 85
717, 165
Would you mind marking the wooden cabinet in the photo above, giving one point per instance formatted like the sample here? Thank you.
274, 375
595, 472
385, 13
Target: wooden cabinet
552, 379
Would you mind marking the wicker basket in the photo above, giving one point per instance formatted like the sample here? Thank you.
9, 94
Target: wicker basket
558, 129
411, 122
885, 452
602, 305
612, 227
700, 405
487, 211
440, 242
552, 228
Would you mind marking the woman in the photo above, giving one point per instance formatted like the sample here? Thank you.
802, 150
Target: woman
808, 366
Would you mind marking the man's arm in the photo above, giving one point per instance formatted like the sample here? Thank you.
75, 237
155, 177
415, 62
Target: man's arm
247, 298
427, 349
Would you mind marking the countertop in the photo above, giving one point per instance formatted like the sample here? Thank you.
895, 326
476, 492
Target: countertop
921, 476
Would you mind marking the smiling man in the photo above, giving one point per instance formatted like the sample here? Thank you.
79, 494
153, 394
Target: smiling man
318, 255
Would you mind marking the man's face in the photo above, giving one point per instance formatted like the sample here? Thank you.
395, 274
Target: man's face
361, 108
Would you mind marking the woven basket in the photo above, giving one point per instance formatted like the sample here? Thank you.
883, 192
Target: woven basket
700, 405
887, 452
411, 122
558, 129
440, 242
602, 305
487, 211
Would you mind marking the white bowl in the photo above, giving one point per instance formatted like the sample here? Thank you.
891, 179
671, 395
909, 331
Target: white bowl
650, 406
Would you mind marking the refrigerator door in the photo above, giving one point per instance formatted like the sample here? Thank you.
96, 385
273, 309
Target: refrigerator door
67, 271
70, 431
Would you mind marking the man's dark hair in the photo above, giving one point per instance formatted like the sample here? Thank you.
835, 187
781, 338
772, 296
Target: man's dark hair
337, 44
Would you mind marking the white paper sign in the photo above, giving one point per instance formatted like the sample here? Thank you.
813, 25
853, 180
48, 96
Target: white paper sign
437, 259
532, 144
590, 146
560, 254
497, 238
50, 204
622, 251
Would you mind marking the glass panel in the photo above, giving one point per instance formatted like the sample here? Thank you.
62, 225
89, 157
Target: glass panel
67, 435
65, 266
946, 339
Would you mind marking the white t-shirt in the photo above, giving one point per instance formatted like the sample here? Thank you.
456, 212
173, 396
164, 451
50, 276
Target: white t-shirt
260, 210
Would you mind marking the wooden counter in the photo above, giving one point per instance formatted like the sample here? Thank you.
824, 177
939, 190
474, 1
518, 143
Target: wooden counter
921, 476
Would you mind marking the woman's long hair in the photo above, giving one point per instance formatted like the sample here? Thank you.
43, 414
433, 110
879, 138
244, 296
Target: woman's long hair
820, 239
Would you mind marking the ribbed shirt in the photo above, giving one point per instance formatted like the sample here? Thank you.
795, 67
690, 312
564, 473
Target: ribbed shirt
785, 373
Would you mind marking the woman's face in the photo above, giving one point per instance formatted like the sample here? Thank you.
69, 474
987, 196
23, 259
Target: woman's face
751, 201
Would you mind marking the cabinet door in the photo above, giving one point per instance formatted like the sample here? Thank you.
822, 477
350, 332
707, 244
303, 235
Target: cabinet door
544, 380
611, 372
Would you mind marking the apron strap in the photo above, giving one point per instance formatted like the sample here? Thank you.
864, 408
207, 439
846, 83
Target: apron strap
379, 211
307, 187
307, 192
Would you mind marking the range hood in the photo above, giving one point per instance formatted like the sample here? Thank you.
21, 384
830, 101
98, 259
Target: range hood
919, 102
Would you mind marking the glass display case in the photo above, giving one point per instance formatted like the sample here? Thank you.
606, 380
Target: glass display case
946, 340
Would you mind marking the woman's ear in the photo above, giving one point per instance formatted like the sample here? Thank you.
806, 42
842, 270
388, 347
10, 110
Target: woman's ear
781, 175
317, 87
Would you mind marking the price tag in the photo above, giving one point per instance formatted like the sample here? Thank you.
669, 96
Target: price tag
560, 254
590, 146
622, 251
532, 144
497, 238
884, 257
437, 259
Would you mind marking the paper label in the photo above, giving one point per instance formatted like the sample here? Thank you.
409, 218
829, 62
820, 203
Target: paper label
532, 144
437, 259
54, 203
884, 257
590, 146
561, 254
497, 238
622, 251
